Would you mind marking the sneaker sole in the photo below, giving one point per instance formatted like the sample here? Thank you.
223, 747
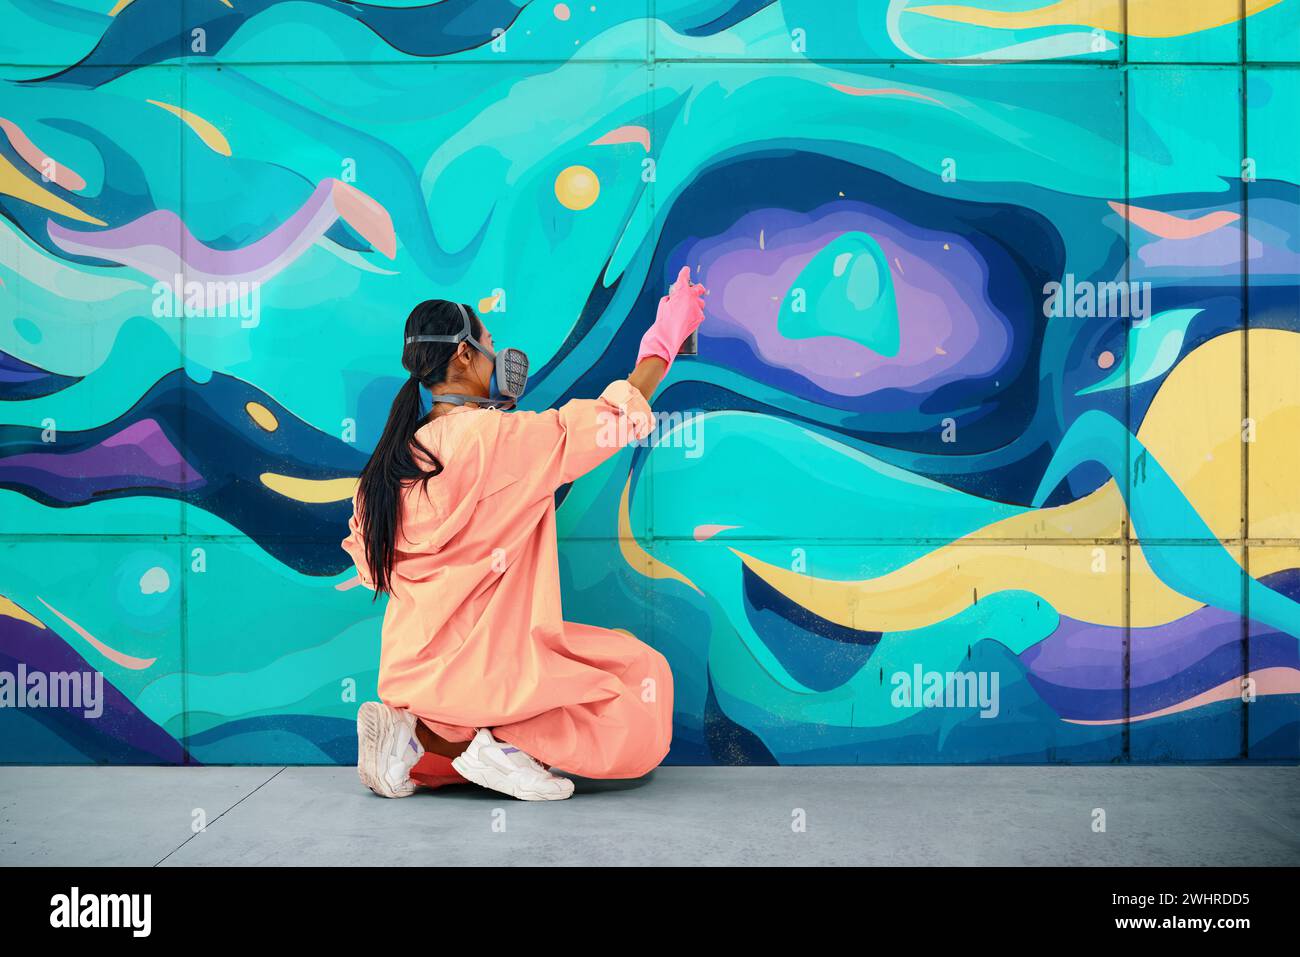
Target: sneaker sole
484, 775
375, 733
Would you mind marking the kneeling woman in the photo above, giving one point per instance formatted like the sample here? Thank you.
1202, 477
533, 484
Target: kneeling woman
480, 677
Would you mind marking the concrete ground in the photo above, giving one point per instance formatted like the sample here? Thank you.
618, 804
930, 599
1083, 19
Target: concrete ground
861, 815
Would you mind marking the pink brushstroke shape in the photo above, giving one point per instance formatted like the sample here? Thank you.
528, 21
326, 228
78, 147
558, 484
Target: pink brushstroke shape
704, 532
36, 158
366, 216
160, 245
1277, 680
883, 91
112, 654
351, 583
625, 134
1169, 226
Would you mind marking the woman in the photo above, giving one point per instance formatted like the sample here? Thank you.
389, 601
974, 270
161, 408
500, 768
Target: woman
480, 677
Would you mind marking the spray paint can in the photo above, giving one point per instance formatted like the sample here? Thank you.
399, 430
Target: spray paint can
691, 347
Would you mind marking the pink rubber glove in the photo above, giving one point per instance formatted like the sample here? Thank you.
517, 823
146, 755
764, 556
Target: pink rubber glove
680, 313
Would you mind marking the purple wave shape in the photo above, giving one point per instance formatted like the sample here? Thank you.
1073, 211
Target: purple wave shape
160, 245
1079, 669
122, 734
138, 456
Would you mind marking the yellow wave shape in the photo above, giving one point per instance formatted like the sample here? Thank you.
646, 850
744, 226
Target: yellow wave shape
11, 609
1193, 428
1150, 18
14, 183
312, 491
209, 134
636, 556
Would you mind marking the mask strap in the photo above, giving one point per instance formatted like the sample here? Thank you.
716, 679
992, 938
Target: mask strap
459, 337
462, 336
474, 400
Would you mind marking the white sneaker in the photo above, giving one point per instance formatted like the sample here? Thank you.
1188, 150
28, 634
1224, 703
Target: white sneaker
490, 764
387, 749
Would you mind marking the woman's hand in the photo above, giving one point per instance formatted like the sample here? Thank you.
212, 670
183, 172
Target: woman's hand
680, 313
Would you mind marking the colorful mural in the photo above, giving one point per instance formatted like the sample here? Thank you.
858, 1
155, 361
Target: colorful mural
988, 454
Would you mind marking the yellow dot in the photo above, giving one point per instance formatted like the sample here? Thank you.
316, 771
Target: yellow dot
263, 416
577, 187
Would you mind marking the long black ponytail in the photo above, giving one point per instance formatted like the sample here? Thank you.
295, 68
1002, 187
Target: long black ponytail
393, 461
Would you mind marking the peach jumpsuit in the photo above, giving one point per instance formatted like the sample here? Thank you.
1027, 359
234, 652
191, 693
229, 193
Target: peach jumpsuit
474, 636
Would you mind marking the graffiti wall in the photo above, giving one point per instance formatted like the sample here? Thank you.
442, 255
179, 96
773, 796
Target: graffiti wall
989, 453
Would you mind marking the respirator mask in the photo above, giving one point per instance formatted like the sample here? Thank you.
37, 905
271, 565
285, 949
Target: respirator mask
509, 370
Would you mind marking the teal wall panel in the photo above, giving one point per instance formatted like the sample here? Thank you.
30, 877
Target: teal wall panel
988, 454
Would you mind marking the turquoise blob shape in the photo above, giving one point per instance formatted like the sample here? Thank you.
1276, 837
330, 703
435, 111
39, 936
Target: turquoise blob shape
28, 330
1153, 348
847, 291
145, 588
